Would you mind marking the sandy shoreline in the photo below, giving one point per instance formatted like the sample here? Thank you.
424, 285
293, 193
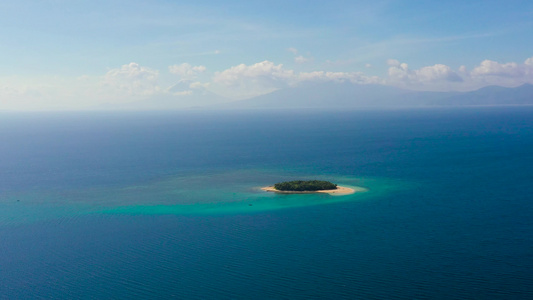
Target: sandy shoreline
341, 190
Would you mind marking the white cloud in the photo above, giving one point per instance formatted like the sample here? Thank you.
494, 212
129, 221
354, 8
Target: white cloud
398, 71
432, 77
244, 81
186, 71
264, 73
268, 74
129, 83
442, 77
506, 74
436, 73
529, 66
131, 80
135, 83
492, 68
300, 59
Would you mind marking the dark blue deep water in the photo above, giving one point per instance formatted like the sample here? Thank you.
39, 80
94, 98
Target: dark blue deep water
167, 205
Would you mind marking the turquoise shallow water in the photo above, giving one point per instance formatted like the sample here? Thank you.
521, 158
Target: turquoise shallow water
242, 196
213, 193
167, 205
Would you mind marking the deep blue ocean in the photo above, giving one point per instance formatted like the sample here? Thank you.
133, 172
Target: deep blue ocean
146, 205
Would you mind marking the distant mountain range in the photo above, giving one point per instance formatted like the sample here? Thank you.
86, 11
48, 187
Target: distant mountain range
332, 95
348, 95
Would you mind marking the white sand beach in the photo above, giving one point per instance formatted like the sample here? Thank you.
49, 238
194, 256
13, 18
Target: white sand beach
340, 190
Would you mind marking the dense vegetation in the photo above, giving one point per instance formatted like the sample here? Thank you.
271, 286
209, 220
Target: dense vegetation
310, 185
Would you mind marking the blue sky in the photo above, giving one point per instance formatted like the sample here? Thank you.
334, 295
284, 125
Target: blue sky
79, 54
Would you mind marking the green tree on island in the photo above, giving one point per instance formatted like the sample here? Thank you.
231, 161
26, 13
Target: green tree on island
300, 185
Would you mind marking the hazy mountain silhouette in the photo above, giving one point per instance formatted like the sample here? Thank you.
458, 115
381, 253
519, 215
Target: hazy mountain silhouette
348, 95
332, 95
492, 95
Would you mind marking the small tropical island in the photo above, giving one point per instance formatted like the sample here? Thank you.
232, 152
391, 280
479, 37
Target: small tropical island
307, 187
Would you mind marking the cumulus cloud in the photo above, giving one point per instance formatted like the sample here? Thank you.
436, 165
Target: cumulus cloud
399, 71
132, 79
432, 76
186, 71
264, 77
442, 77
489, 68
437, 72
244, 81
133, 82
529, 66
250, 80
493, 68
506, 74
264, 73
